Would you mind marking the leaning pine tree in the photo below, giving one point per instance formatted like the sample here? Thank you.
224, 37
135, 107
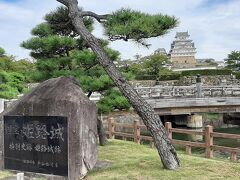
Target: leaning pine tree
126, 24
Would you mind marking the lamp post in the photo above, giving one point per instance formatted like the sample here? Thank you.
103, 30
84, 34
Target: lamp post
199, 86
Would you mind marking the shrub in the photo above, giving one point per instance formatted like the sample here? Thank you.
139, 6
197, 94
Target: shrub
167, 77
37, 76
112, 99
12, 83
145, 77
207, 72
18, 86
7, 91
4, 77
237, 74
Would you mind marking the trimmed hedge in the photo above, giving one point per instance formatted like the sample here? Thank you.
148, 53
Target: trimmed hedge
177, 76
207, 72
168, 77
145, 77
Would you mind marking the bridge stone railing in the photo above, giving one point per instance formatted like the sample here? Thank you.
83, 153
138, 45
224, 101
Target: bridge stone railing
187, 91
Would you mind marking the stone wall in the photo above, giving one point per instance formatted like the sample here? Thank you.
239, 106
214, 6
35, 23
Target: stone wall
183, 61
145, 83
220, 80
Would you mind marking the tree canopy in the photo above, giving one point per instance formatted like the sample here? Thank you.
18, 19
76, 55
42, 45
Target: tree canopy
153, 67
60, 51
233, 60
128, 24
13, 76
2, 52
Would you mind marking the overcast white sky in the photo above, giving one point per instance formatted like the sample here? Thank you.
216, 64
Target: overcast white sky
212, 24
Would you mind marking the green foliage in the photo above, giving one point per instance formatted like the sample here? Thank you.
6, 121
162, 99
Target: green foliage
38, 76
136, 25
207, 72
42, 30
56, 37
60, 51
24, 66
128, 75
6, 63
237, 75
153, 68
61, 24
95, 83
112, 99
9, 64
134, 68
13, 76
233, 60
145, 76
4, 77
2, 52
112, 54
7, 91
154, 64
166, 75
50, 46
11, 84
84, 58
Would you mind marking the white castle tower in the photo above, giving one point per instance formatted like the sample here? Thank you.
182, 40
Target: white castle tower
182, 53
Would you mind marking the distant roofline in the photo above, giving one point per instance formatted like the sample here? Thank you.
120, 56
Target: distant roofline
182, 34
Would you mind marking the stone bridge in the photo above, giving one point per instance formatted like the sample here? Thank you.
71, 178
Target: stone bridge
173, 100
163, 92
185, 104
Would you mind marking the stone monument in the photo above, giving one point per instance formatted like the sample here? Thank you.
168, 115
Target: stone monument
52, 130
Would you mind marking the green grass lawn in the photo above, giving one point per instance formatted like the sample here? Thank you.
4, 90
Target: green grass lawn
132, 161
4, 174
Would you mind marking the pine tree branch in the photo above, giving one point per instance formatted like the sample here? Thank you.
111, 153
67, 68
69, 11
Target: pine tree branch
117, 37
99, 18
64, 2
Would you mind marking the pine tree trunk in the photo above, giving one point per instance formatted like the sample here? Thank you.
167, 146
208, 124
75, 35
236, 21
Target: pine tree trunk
101, 133
152, 121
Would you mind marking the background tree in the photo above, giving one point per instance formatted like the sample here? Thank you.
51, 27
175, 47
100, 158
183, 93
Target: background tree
13, 76
127, 24
233, 60
155, 63
2, 52
153, 67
